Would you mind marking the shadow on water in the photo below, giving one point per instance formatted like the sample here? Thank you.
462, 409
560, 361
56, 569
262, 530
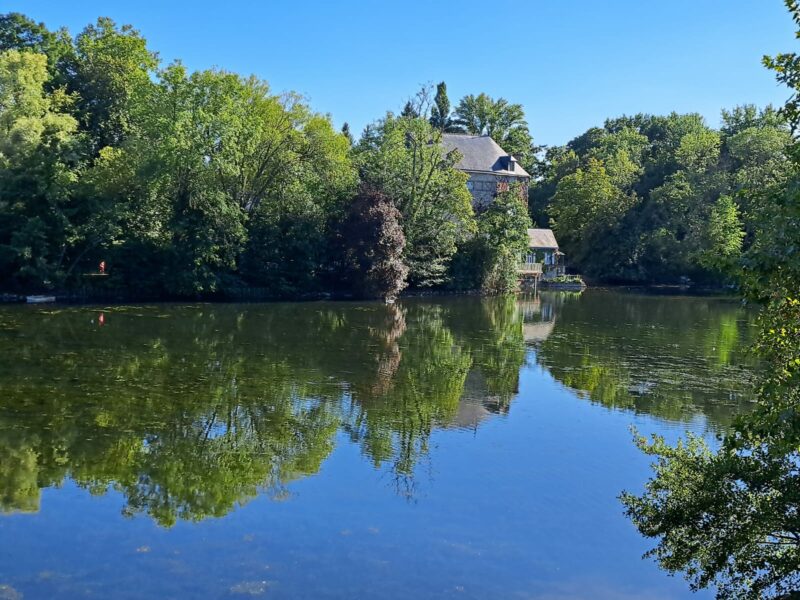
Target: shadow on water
191, 411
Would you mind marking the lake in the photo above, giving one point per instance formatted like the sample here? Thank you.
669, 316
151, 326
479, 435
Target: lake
435, 448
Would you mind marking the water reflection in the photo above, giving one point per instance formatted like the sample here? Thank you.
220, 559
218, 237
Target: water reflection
190, 411
673, 357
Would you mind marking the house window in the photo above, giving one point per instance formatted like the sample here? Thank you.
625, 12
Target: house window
470, 185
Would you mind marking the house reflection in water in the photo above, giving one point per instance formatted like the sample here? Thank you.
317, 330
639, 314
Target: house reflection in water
477, 404
537, 319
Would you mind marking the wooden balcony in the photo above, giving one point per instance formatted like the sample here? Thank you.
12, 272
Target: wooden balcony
527, 268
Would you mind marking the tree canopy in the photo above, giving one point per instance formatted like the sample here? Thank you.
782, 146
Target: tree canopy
652, 199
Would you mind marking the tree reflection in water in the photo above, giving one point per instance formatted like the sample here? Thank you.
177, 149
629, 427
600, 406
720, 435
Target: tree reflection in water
675, 358
190, 411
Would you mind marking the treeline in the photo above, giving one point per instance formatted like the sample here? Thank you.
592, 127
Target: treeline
652, 199
187, 184
193, 184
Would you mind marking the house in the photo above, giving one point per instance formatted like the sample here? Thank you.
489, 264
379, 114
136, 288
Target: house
543, 254
490, 168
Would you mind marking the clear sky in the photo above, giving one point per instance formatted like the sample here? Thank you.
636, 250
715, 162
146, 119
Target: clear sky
570, 63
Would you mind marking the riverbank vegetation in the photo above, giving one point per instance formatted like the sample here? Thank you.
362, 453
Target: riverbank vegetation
189, 184
653, 199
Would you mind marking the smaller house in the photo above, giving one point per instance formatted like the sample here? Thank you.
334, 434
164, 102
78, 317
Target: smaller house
490, 168
543, 254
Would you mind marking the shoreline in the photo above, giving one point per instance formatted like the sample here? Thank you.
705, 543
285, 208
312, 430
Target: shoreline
253, 295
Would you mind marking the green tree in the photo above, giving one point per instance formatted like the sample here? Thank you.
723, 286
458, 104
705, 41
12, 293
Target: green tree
756, 144
410, 111
503, 235
503, 121
37, 142
111, 76
238, 182
722, 250
406, 161
441, 118
18, 32
347, 134
675, 171
587, 209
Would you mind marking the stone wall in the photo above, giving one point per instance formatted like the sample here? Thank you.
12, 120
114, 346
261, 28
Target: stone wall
484, 187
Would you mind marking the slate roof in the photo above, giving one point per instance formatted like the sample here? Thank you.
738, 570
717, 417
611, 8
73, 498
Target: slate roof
542, 238
482, 154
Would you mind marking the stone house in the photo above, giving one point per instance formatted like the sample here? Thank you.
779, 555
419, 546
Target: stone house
490, 168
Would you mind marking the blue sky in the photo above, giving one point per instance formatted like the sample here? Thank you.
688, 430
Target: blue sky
570, 63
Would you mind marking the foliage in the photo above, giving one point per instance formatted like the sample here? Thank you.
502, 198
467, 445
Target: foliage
723, 244
347, 133
184, 183
37, 142
730, 517
503, 121
441, 117
677, 198
503, 235
404, 159
786, 67
110, 76
18, 32
373, 261
190, 184
587, 211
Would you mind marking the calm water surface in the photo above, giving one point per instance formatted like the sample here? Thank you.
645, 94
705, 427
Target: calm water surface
460, 447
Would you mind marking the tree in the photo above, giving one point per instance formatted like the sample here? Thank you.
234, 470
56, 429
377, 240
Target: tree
374, 244
731, 516
503, 233
504, 122
587, 210
674, 170
440, 112
18, 32
410, 111
347, 134
756, 144
405, 160
786, 67
37, 142
724, 234
111, 76
244, 181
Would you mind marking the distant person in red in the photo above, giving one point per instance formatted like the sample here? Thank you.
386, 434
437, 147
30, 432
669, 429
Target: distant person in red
102, 267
